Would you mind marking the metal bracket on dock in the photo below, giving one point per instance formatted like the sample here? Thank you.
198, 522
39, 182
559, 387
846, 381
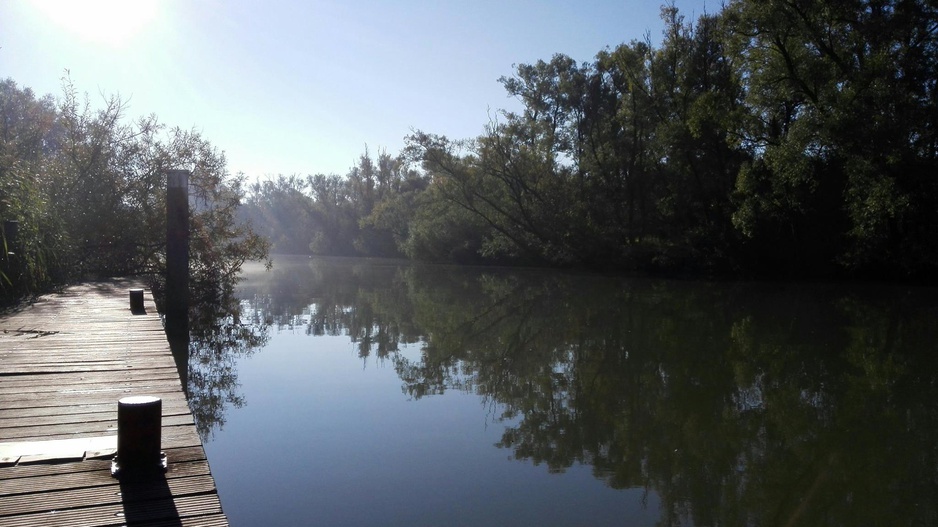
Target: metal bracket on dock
139, 472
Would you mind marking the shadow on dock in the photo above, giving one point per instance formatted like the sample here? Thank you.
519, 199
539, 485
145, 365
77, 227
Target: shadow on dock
149, 501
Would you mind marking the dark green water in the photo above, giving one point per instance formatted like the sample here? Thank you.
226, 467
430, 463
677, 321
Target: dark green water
358, 392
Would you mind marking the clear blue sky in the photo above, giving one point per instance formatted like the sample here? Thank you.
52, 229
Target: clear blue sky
301, 86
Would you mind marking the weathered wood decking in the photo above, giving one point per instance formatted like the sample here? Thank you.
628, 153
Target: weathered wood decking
64, 363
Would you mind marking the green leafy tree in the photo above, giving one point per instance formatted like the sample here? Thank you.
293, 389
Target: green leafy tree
334, 221
89, 192
400, 191
464, 197
383, 192
697, 103
282, 211
842, 131
29, 131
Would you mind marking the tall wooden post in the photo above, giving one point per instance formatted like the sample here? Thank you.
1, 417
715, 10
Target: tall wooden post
177, 252
11, 234
179, 345
10, 258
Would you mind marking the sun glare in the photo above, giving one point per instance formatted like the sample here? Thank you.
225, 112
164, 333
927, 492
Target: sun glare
110, 22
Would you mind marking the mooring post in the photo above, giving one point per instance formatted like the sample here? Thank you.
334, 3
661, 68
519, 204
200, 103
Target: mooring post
11, 234
177, 252
139, 432
136, 301
179, 345
10, 254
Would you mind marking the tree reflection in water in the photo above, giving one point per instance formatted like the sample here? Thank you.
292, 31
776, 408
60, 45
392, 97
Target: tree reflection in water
219, 335
739, 404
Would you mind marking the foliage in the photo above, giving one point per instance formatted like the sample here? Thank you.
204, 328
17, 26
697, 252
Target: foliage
28, 134
783, 138
626, 161
792, 138
779, 138
88, 191
365, 213
841, 125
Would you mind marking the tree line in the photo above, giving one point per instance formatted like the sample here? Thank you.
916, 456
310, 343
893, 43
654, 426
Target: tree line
794, 138
790, 138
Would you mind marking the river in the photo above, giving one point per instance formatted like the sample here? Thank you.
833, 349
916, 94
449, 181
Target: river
377, 392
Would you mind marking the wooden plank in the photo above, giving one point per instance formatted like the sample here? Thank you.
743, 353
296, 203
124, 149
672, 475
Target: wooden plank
68, 447
166, 386
104, 495
65, 366
80, 390
67, 417
186, 507
173, 436
157, 377
51, 381
64, 363
99, 398
101, 427
176, 455
31, 488
170, 406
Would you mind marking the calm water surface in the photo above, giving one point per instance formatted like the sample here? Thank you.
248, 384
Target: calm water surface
360, 392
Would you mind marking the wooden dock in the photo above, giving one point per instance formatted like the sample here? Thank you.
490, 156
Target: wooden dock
65, 361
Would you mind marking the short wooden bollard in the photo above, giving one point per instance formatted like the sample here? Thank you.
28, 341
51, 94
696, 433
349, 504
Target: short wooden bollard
136, 301
139, 427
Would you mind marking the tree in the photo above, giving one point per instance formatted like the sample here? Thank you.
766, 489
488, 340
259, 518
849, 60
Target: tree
29, 131
494, 198
842, 132
400, 191
89, 192
697, 104
281, 209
